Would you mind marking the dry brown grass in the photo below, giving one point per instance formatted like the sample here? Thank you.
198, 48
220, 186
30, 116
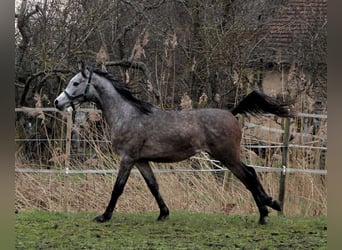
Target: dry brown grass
306, 194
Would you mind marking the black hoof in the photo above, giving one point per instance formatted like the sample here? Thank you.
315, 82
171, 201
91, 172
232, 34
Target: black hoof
275, 205
101, 218
163, 216
263, 214
262, 221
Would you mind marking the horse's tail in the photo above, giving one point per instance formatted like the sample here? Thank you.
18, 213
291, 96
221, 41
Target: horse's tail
257, 103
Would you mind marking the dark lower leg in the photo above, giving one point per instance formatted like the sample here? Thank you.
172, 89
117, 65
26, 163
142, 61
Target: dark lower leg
261, 198
249, 178
118, 188
268, 201
152, 184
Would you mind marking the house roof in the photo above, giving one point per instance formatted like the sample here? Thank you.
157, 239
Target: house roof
296, 22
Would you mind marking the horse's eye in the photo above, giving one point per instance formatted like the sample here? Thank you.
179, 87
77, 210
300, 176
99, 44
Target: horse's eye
75, 84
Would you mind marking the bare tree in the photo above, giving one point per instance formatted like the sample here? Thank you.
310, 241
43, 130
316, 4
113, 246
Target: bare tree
162, 49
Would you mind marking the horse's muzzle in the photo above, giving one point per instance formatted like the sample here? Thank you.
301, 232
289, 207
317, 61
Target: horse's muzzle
59, 107
61, 102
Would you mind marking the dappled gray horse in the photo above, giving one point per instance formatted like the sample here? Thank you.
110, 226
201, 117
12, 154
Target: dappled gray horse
141, 133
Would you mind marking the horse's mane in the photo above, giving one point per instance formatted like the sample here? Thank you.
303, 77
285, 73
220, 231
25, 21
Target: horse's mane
124, 91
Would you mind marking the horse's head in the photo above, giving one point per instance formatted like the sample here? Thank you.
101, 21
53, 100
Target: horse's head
77, 90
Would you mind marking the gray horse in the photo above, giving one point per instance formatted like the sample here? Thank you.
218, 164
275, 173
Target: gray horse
141, 133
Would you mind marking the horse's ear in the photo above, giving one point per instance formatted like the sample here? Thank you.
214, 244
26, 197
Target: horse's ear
81, 67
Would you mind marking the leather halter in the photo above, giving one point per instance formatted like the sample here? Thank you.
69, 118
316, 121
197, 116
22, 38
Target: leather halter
71, 98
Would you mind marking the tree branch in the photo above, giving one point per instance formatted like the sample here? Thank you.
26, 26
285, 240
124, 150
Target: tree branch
36, 75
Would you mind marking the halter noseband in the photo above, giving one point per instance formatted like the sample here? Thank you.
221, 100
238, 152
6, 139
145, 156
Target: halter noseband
84, 94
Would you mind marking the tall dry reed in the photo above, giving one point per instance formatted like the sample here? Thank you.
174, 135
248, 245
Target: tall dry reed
306, 194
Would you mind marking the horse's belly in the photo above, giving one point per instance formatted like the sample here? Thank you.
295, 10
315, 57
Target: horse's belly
169, 153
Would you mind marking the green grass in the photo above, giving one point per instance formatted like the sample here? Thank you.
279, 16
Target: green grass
183, 230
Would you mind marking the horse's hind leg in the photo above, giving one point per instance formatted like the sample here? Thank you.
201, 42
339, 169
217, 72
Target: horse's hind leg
261, 198
269, 201
249, 178
152, 184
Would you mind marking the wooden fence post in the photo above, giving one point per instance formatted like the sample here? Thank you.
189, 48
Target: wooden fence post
67, 161
68, 140
285, 150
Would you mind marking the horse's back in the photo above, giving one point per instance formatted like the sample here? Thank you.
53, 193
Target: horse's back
222, 131
211, 122
176, 135
219, 122
217, 132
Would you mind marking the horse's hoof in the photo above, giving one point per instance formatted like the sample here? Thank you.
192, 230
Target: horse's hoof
163, 217
164, 214
262, 221
276, 205
101, 218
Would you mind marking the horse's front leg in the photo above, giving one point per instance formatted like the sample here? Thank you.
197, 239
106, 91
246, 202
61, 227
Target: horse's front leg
123, 174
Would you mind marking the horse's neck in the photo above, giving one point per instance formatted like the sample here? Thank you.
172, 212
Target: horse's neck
115, 109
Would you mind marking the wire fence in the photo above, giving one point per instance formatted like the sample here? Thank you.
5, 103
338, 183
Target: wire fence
114, 171
67, 171
213, 165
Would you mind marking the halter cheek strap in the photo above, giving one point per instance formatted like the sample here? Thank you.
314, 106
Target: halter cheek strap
84, 94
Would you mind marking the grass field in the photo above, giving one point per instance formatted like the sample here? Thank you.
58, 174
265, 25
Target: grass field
183, 230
